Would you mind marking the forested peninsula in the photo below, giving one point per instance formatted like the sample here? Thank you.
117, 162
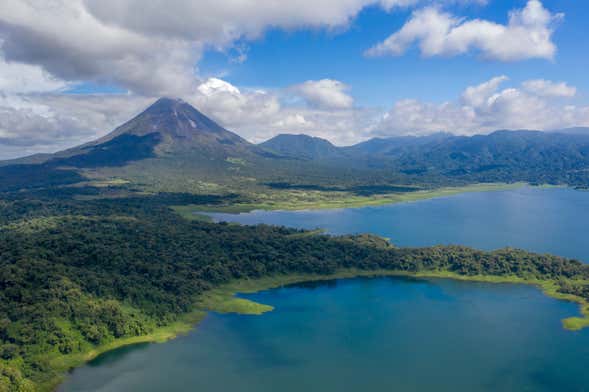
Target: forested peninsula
80, 277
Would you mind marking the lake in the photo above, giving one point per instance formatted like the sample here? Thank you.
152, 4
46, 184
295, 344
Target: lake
364, 335
544, 220
376, 334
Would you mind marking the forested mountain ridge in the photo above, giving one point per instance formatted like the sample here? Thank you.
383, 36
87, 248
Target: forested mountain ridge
303, 147
558, 157
171, 146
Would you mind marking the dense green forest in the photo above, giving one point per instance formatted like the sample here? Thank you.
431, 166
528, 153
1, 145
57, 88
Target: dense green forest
78, 274
445, 159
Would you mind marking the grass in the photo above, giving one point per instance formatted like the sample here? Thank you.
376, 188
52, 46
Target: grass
223, 300
315, 200
187, 212
64, 363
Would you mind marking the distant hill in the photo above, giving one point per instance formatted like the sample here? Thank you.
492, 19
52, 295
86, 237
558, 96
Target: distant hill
169, 126
572, 131
560, 156
171, 146
179, 127
517, 155
394, 145
170, 136
302, 147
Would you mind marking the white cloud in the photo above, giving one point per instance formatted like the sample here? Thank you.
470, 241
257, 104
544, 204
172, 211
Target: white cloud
325, 94
547, 88
52, 122
153, 47
258, 115
528, 34
215, 86
25, 78
232, 107
485, 108
49, 122
476, 96
70, 43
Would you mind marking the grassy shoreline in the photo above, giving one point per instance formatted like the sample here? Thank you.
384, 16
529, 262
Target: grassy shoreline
223, 299
65, 363
320, 200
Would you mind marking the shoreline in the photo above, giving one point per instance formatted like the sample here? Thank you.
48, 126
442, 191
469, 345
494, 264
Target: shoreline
316, 200
223, 299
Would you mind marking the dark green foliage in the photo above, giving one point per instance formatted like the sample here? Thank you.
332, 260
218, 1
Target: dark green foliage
302, 147
15, 177
115, 152
62, 170
536, 157
444, 159
58, 171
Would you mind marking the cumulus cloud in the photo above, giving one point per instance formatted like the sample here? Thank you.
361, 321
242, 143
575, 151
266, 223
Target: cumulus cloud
51, 122
547, 88
325, 93
528, 34
47, 122
232, 107
154, 51
25, 78
475, 96
259, 114
152, 48
70, 43
485, 108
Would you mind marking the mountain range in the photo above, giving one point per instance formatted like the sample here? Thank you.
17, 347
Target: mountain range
172, 146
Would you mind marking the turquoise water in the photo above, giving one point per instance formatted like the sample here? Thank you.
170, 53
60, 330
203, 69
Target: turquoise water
541, 220
387, 333
379, 334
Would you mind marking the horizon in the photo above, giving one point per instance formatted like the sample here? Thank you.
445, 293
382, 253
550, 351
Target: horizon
182, 101
341, 72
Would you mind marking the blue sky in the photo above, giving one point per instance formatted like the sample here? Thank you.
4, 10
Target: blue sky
345, 70
282, 58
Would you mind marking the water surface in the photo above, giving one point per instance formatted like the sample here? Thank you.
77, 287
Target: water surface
542, 220
378, 334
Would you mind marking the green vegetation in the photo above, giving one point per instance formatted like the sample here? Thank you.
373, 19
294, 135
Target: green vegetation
314, 200
80, 277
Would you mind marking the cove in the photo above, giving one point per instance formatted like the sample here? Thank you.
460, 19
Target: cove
364, 334
543, 220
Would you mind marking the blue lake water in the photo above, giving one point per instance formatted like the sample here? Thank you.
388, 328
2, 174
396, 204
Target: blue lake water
387, 333
541, 220
379, 334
